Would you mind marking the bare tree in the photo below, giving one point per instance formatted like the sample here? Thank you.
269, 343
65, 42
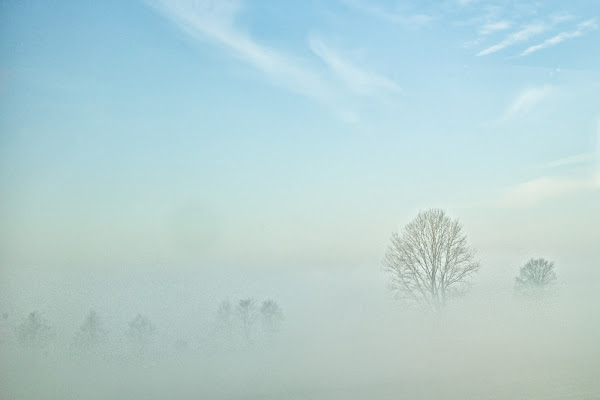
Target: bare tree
247, 312
224, 316
535, 276
224, 330
430, 261
91, 336
271, 316
140, 332
34, 333
5, 333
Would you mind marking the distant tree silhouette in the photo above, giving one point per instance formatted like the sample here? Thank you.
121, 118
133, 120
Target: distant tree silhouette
4, 329
140, 332
271, 316
430, 260
34, 333
224, 316
535, 277
248, 314
235, 327
227, 328
91, 336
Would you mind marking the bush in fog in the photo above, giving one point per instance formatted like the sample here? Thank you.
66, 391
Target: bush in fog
34, 333
140, 332
91, 336
430, 260
536, 277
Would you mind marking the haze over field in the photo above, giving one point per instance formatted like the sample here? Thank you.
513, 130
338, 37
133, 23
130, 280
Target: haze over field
337, 339
161, 157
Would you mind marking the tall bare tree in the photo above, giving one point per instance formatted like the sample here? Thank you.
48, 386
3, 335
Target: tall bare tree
430, 260
535, 276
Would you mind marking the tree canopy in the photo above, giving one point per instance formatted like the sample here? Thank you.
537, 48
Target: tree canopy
430, 260
535, 276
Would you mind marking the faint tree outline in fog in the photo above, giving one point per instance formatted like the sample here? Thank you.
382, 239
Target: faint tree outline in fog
237, 326
430, 260
34, 333
535, 277
271, 316
91, 335
224, 311
140, 331
224, 330
224, 317
248, 314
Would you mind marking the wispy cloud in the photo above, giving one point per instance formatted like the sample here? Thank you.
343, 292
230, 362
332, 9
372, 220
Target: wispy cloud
520, 36
582, 28
524, 34
544, 188
527, 100
486, 29
358, 80
535, 191
215, 20
472, 43
215, 23
494, 27
578, 159
387, 15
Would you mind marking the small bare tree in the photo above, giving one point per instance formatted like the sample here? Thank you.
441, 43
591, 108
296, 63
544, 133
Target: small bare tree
247, 313
34, 333
224, 317
430, 260
91, 336
140, 332
535, 276
271, 316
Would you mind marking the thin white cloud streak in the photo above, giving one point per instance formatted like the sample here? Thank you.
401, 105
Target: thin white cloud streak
544, 188
527, 100
520, 36
526, 33
582, 28
358, 80
494, 27
472, 43
394, 17
214, 20
591, 158
577, 159
535, 191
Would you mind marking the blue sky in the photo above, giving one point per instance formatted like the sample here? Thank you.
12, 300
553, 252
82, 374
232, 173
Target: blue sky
207, 133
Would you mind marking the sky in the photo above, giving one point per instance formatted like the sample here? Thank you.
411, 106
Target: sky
295, 136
